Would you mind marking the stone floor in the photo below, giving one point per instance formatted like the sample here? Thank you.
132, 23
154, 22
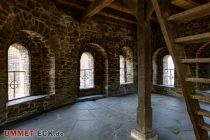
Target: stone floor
111, 118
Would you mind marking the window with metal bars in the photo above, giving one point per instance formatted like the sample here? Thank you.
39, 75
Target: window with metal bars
168, 71
126, 70
86, 71
18, 72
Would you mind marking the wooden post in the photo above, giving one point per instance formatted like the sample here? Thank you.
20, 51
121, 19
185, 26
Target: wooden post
3, 85
144, 131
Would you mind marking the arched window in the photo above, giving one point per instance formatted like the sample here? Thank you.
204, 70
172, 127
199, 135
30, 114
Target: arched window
122, 70
126, 67
168, 71
86, 71
18, 72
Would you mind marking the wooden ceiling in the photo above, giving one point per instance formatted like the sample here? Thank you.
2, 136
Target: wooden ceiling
121, 12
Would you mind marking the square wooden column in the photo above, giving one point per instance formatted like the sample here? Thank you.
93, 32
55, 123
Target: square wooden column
3, 85
143, 130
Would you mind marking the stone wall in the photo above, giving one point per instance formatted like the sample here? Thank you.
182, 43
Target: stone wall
55, 41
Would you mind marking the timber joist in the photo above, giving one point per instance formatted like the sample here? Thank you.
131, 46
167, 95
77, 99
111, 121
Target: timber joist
89, 8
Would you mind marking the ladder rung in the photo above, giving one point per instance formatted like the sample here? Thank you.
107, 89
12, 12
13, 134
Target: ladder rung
203, 112
206, 127
199, 38
196, 60
201, 97
191, 14
184, 4
199, 80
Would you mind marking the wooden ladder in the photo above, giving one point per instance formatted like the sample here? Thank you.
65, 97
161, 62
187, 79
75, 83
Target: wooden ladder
169, 24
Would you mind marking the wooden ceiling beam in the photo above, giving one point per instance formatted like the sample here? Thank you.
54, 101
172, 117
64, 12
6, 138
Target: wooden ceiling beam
119, 7
71, 4
201, 1
96, 7
101, 13
132, 4
114, 22
117, 18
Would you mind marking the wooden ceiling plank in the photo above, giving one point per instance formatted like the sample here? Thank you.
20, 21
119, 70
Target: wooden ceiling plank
71, 4
96, 7
104, 14
117, 18
119, 7
132, 4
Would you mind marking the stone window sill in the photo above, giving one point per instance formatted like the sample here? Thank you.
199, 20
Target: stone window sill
129, 83
83, 89
25, 99
166, 86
